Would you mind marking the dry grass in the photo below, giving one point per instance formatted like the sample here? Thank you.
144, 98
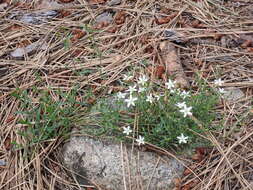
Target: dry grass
107, 55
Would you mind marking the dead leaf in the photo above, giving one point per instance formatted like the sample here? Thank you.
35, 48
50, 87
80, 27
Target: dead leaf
23, 43
190, 185
165, 10
10, 118
93, 2
118, 88
77, 52
91, 100
195, 157
14, 27
101, 25
250, 49
77, 34
149, 49
159, 71
199, 62
186, 187
64, 13
23, 5
217, 37
195, 182
200, 154
201, 150
120, 17
198, 157
187, 172
247, 43
177, 182
144, 39
195, 24
112, 29
164, 77
7, 143
164, 20
55, 167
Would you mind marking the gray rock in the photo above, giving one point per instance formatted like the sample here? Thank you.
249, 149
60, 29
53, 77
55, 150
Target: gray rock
108, 164
114, 2
174, 36
2, 162
34, 17
20, 52
233, 94
104, 17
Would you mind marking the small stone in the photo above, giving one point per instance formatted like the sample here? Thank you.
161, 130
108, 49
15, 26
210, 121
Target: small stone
233, 94
174, 36
101, 162
35, 18
114, 2
104, 18
2, 162
20, 52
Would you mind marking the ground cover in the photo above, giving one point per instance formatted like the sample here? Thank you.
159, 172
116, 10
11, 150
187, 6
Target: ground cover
58, 58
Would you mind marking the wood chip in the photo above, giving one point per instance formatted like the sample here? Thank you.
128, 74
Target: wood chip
172, 64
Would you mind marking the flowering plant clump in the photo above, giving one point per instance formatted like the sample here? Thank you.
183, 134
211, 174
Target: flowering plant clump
218, 83
162, 115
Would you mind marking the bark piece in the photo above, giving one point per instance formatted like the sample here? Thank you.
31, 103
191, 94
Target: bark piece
174, 36
172, 64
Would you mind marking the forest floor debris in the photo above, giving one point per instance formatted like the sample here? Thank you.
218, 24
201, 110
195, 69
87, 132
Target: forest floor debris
211, 39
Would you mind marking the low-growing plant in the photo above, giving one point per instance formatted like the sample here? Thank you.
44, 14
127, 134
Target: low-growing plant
46, 118
163, 116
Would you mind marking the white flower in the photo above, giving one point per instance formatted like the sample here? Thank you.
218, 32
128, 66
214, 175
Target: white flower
150, 98
185, 94
186, 111
142, 80
218, 82
140, 140
181, 105
130, 101
127, 77
182, 138
141, 89
221, 90
132, 89
170, 84
127, 130
157, 96
173, 91
121, 95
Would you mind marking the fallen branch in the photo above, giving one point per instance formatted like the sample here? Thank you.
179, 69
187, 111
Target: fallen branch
172, 64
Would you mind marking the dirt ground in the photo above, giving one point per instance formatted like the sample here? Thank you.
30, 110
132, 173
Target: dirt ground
54, 45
